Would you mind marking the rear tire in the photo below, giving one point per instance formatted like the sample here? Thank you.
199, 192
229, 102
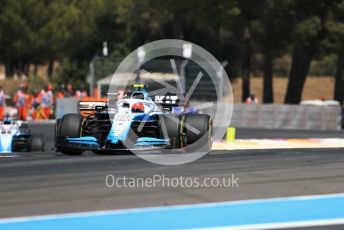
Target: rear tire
200, 139
170, 128
70, 126
36, 142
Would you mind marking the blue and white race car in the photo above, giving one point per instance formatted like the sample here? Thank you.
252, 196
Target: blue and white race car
15, 136
139, 121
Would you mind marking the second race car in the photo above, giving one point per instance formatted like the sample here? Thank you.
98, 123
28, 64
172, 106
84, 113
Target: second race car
15, 136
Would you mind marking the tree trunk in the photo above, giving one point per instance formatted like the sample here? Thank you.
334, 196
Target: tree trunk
301, 60
268, 96
16, 68
26, 69
246, 65
246, 84
50, 68
35, 69
9, 69
339, 79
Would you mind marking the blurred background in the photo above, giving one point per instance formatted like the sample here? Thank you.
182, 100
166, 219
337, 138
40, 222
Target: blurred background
282, 51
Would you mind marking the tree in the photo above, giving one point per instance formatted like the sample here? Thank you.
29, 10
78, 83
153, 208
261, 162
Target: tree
19, 23
273, 37
309, 31
70, 35
335, 26
249, 12
339, 79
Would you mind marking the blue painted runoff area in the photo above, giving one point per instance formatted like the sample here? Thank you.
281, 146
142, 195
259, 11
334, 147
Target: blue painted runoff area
211, 215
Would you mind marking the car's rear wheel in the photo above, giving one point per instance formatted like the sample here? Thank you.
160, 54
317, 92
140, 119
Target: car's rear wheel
170, 128
71, 126
198, 130
36, 142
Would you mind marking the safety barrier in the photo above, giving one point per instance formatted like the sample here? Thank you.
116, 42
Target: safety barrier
287, 116
281, 116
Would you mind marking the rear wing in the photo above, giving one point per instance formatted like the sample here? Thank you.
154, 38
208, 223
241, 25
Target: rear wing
167, 101
90, 107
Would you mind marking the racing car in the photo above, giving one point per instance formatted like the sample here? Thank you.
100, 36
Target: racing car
15, 136
137, 121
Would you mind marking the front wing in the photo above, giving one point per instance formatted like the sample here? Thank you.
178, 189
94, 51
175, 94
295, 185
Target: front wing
91, 143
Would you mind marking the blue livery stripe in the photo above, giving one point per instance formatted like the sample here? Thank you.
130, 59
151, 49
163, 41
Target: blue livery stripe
85, 138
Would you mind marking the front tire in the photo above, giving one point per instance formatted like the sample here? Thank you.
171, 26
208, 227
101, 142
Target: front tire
70, 126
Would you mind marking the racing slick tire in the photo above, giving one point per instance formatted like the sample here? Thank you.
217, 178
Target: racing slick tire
71, 126
200, 139
36, 143
170, 125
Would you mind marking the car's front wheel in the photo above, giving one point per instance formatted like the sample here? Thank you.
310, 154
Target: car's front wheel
70, 126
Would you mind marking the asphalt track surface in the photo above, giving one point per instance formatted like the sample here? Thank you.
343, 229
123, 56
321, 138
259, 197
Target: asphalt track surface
50, 183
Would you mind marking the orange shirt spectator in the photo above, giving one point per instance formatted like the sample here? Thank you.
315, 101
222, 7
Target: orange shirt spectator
23, 102
2, 104
60, 94
46, 100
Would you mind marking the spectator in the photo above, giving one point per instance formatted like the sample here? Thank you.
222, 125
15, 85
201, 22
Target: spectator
46, 101
23, 101
70, 91
36, 106
252, 99
81, 92
2, 104
61, 93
